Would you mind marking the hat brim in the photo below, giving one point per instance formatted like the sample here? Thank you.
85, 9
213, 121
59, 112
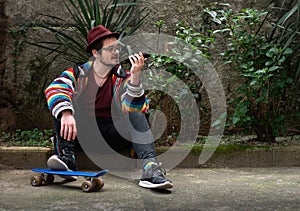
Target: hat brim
109, 34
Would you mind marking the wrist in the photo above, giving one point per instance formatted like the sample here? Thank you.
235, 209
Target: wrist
66, 112
135, 79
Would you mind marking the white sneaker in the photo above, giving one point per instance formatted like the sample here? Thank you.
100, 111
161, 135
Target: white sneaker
55, 163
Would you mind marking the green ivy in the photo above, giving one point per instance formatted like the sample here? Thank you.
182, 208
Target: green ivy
33, 137
261, 63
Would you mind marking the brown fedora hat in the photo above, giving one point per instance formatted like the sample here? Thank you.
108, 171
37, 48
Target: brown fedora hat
98, 32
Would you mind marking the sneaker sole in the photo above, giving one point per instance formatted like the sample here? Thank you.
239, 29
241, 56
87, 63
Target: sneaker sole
146, 184
56, 164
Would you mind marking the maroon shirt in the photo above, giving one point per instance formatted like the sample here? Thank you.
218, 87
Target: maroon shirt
103, 99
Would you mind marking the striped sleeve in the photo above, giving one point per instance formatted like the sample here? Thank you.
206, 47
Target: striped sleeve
134, 98
59, 93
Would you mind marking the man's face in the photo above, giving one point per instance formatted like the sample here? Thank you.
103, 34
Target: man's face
110, 52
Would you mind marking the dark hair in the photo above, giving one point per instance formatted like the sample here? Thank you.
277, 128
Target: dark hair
98, 44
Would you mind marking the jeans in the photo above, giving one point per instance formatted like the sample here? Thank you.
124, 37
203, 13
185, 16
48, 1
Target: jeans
133, 126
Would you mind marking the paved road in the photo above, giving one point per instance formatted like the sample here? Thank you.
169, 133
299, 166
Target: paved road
194, 189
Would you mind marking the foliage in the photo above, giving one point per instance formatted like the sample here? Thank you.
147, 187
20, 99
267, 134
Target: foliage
197, 40
197, 45
159, 24
33, 137
70, 41
285, 31
261, 60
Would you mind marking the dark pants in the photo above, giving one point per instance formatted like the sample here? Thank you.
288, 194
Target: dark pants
135, 131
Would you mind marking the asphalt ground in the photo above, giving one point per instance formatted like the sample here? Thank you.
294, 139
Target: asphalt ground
194, 189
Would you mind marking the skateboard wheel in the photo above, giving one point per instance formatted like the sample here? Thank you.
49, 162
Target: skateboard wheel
48, 179
98, 183
88, 186
43, 176
36, 181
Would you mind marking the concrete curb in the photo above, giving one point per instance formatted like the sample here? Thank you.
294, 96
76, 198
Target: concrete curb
279, 156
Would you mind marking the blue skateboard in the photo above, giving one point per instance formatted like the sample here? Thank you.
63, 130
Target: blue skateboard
92, 181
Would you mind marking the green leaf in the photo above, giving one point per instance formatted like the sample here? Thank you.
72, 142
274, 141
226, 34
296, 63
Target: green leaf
262, 71
271, 52
289, 80
268, 63
70, 42
253, 82
216, 20
274, 68
288, 15
288, 51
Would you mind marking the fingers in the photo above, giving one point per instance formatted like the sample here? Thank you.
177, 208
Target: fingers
68, 129
137, 61
68, 132
74, 133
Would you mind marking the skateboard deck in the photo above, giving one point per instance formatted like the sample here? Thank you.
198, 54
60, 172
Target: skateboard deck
92, 181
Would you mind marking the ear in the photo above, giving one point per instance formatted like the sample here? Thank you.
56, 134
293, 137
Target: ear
95, 53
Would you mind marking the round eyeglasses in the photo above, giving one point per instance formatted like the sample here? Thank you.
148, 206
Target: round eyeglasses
112, 49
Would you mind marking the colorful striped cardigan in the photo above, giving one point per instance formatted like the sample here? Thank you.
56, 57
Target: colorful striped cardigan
70, 84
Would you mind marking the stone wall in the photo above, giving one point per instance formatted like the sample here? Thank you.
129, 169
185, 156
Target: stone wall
20, 12
32, 58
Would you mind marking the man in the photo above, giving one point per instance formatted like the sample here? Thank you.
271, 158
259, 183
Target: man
115, 86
